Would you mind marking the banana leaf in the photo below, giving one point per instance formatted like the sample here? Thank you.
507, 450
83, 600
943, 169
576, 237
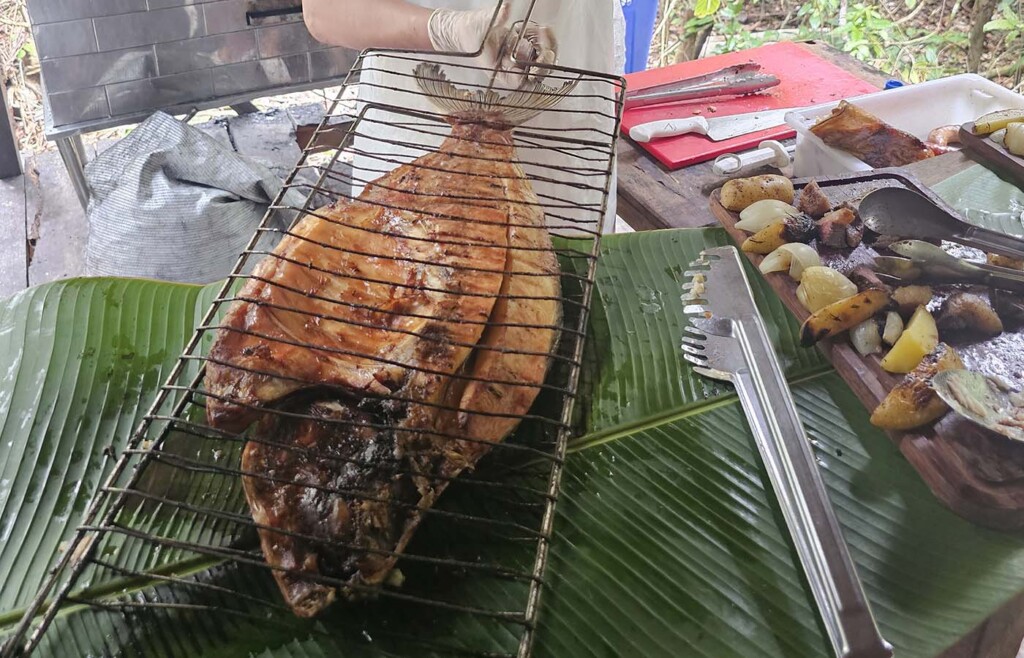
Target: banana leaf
667, 542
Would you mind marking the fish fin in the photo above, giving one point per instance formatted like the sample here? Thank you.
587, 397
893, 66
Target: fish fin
513, 109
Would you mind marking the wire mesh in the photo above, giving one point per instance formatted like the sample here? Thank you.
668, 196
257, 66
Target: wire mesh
324, 486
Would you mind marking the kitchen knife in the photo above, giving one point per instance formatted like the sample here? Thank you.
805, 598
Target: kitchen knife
717, 129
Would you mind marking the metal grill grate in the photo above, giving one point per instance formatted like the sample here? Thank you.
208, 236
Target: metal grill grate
169, 542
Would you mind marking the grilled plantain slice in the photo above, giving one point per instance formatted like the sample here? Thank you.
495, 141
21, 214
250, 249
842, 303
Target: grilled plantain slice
913, 402
839, 316
799, 228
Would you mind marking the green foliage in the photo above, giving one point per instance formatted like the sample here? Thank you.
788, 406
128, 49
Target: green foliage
870, 31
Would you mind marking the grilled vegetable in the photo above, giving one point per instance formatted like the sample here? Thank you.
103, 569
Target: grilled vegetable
760, 214
913, 402
813, 201
964, 312
795, 257
1014, 140
893, 328
908, 298
997, 121
789, 229
918, 339
839, 316
738, 194
821, 286
865, 337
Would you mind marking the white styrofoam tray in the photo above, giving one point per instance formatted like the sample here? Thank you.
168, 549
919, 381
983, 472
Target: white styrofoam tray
917, 109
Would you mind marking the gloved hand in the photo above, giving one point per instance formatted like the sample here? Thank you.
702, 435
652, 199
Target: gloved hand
463, 31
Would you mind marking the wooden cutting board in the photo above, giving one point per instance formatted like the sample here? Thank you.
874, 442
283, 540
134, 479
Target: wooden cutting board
806, 79
977, 476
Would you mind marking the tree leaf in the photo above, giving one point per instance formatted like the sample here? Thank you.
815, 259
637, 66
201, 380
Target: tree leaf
705, 8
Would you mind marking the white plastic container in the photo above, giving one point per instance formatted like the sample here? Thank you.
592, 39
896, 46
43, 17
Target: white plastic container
917, 109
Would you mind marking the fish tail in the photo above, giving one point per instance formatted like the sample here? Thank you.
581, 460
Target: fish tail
513, 109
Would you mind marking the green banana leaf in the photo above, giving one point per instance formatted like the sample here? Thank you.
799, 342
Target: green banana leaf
666, 540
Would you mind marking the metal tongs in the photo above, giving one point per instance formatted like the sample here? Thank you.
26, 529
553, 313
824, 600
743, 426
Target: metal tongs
726, 339
731, 81
923, 261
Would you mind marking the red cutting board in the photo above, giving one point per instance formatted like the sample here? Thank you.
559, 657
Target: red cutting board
806, 80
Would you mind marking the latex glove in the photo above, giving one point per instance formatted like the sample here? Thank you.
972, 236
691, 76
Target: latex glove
452, 30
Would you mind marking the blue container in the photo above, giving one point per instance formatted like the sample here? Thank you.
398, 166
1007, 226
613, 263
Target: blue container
640, 19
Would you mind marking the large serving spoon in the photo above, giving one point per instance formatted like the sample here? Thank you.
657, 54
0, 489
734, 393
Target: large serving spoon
983, 400
901, 212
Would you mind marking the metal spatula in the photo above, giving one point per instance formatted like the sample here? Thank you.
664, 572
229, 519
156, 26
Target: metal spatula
726, 340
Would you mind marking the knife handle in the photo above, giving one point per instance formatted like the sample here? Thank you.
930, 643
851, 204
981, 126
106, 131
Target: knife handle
646, 132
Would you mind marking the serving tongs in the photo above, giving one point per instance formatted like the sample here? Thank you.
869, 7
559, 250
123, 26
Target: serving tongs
919, 261
904, 213
726, 339
731, 81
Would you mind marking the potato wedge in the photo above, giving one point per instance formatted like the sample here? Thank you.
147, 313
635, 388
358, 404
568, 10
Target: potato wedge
839, 316
918, 339
912, 402
737, 194
1005, 261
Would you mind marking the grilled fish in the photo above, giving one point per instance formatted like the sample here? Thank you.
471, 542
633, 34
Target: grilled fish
383, 348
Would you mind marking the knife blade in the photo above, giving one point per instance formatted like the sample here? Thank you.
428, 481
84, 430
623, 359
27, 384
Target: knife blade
717, 129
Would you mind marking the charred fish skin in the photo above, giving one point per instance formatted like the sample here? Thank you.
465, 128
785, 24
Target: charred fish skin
384, 347
328, 497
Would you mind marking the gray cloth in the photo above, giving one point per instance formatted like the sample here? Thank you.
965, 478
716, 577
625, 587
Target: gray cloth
170, 202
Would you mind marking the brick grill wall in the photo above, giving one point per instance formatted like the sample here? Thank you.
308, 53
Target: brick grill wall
104, 59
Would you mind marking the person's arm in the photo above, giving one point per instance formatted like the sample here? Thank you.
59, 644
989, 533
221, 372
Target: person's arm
360, 24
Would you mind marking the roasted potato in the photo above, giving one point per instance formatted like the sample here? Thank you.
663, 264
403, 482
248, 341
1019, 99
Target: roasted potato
918, 339
908, 298
737, 194
1005, 261
913, 402
839, 316
800, 228
966, 313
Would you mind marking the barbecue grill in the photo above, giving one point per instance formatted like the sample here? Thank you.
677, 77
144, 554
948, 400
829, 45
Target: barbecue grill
168, 540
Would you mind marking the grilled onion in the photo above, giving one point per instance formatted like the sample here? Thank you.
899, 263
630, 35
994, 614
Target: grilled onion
865, 337
761, 213
821, 286
893, 327
794, 256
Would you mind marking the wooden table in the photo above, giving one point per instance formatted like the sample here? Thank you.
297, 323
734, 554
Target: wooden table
652, 197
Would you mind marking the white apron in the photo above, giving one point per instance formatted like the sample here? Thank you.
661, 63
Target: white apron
590, 36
